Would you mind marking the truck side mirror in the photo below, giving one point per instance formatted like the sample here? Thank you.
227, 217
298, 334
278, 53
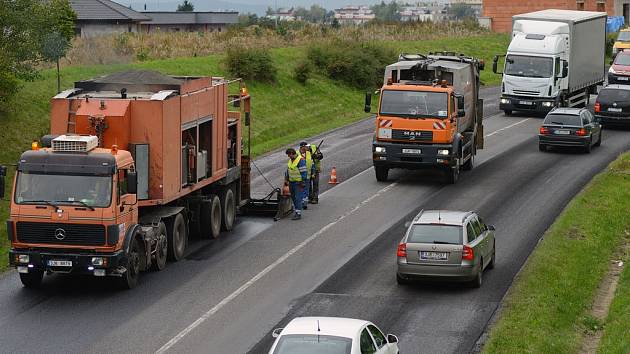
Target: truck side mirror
368, 102
132, 182
3, 173
565, 69
495, 65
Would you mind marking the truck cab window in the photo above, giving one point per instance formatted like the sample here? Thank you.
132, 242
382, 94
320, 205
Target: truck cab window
558, 67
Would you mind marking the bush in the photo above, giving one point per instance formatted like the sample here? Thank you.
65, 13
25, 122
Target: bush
611, 38
360, 65
302, 72
250, 64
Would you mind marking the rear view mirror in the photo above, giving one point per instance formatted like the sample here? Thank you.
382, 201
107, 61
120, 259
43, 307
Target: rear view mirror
276, 332
565, 69
407, 224
495, 65
132, 182
3, 173
368, 102
491, 227
461, 112
460, 105
392, 338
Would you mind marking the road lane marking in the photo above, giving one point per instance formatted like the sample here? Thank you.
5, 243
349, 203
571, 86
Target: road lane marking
506, 128
265, 271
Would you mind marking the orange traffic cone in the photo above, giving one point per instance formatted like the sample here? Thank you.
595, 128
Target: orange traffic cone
333, 176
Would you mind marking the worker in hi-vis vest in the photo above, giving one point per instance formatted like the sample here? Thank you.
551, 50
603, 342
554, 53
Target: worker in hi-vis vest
305, 151
296, 176
317, 156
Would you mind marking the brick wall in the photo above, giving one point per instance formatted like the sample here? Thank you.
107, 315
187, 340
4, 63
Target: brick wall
501, 11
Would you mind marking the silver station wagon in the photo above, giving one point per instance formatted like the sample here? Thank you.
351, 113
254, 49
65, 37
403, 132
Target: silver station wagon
446, 245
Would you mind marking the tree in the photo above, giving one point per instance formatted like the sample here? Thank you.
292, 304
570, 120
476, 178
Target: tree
186, 6
318, 14
54, 47
386, 12
461, 11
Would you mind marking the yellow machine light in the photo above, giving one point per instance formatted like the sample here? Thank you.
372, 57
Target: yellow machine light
34, 145
244, 91
114, 149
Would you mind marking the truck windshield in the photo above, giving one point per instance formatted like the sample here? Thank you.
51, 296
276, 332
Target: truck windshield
35, 188
526, 66
414, 104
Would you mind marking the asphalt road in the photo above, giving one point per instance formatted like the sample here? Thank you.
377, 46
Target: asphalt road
339, 260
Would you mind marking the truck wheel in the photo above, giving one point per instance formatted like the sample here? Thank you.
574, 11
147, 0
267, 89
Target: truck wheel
161, 249
130, 277
381, 173
211, 217
177, 237
32, 279
452, 174
228, 209
507, 112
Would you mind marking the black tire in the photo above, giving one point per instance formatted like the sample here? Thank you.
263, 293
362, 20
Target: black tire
542, 147
129, 279
452, 174
599, 139
212, 212
400, 280
158, 258
177, 237
32, 279
477, 282
381, 173
228, 209
494, 257
587, 147
507, 112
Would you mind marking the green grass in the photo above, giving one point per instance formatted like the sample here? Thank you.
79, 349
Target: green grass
547, 308
282, 113
616, 337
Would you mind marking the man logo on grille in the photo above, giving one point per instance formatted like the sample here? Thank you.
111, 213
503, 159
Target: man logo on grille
60, 234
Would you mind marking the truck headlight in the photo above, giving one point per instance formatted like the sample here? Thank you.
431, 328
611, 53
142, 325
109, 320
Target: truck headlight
443, 152
505, 100
97, 261
547, 104
24, 258
380, 150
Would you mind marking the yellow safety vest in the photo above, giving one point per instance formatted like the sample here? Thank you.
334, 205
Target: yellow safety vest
309, 164
318, 163
294, 173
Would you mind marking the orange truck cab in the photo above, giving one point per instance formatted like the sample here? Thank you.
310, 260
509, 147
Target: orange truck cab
135, 162
429, 114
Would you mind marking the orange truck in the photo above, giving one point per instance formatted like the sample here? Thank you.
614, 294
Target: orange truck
429, 114
135, 163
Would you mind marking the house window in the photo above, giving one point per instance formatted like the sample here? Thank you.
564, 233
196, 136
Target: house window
580, 5
601, 6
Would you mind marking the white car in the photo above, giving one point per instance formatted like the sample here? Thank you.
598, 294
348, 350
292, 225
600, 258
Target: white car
332, 335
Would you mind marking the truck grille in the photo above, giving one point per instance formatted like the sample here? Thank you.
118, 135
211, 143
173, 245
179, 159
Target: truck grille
526, 93
412, 135
61, 234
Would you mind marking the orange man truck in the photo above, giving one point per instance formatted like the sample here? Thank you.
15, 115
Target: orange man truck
135, 162
429, 114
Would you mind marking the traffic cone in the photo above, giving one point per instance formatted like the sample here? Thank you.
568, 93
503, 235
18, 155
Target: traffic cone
333, 176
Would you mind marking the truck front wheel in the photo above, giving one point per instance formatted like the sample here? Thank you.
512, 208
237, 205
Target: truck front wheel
177, 237
130, 277
381, 173
32, 279
452, 174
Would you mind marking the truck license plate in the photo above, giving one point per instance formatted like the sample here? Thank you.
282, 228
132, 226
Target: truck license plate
614, 109
527, 103
54, 263
440, 256
412, 151
562, 132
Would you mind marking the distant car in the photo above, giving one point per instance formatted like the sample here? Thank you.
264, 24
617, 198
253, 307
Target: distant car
332, 335
446, 245
619, 72
570, 127
612, 106
622, 42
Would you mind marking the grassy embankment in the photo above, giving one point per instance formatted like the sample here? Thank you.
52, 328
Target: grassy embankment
548, 308
282, 113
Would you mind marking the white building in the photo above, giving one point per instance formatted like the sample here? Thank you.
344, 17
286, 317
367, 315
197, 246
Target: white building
354, 15
415, 13
282, 15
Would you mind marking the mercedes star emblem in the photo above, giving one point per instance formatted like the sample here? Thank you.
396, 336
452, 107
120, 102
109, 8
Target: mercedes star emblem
614, 104
60, 234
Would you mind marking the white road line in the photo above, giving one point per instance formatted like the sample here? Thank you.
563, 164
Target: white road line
508, 127
265, 271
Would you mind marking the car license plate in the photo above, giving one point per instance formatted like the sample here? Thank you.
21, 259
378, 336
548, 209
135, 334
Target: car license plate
55, 263
562, 132
622, 78
610, 109
439, 256
527, 103
412, 151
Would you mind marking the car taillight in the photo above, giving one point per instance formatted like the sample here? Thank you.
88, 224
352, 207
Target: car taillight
402, 250
468, 254
598, 107
581, 132
544, 130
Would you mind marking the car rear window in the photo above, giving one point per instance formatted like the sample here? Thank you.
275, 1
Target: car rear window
563, 119
313, 344
435, 233
622, 59
611, 95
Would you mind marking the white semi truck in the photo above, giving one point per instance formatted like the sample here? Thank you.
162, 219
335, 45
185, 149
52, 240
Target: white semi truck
555, 59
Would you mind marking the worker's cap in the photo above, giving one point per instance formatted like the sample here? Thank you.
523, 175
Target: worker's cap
304, 143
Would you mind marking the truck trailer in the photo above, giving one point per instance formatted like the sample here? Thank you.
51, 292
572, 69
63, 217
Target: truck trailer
429, 114
135, 163
555, 59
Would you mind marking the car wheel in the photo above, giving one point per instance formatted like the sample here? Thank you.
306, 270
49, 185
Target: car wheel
400, 280
587, 147
542, 147
32, 279
599, 139
381, 173
507, 112
494, 257
476, 283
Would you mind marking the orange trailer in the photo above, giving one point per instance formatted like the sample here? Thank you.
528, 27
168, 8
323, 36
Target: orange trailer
135, 162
